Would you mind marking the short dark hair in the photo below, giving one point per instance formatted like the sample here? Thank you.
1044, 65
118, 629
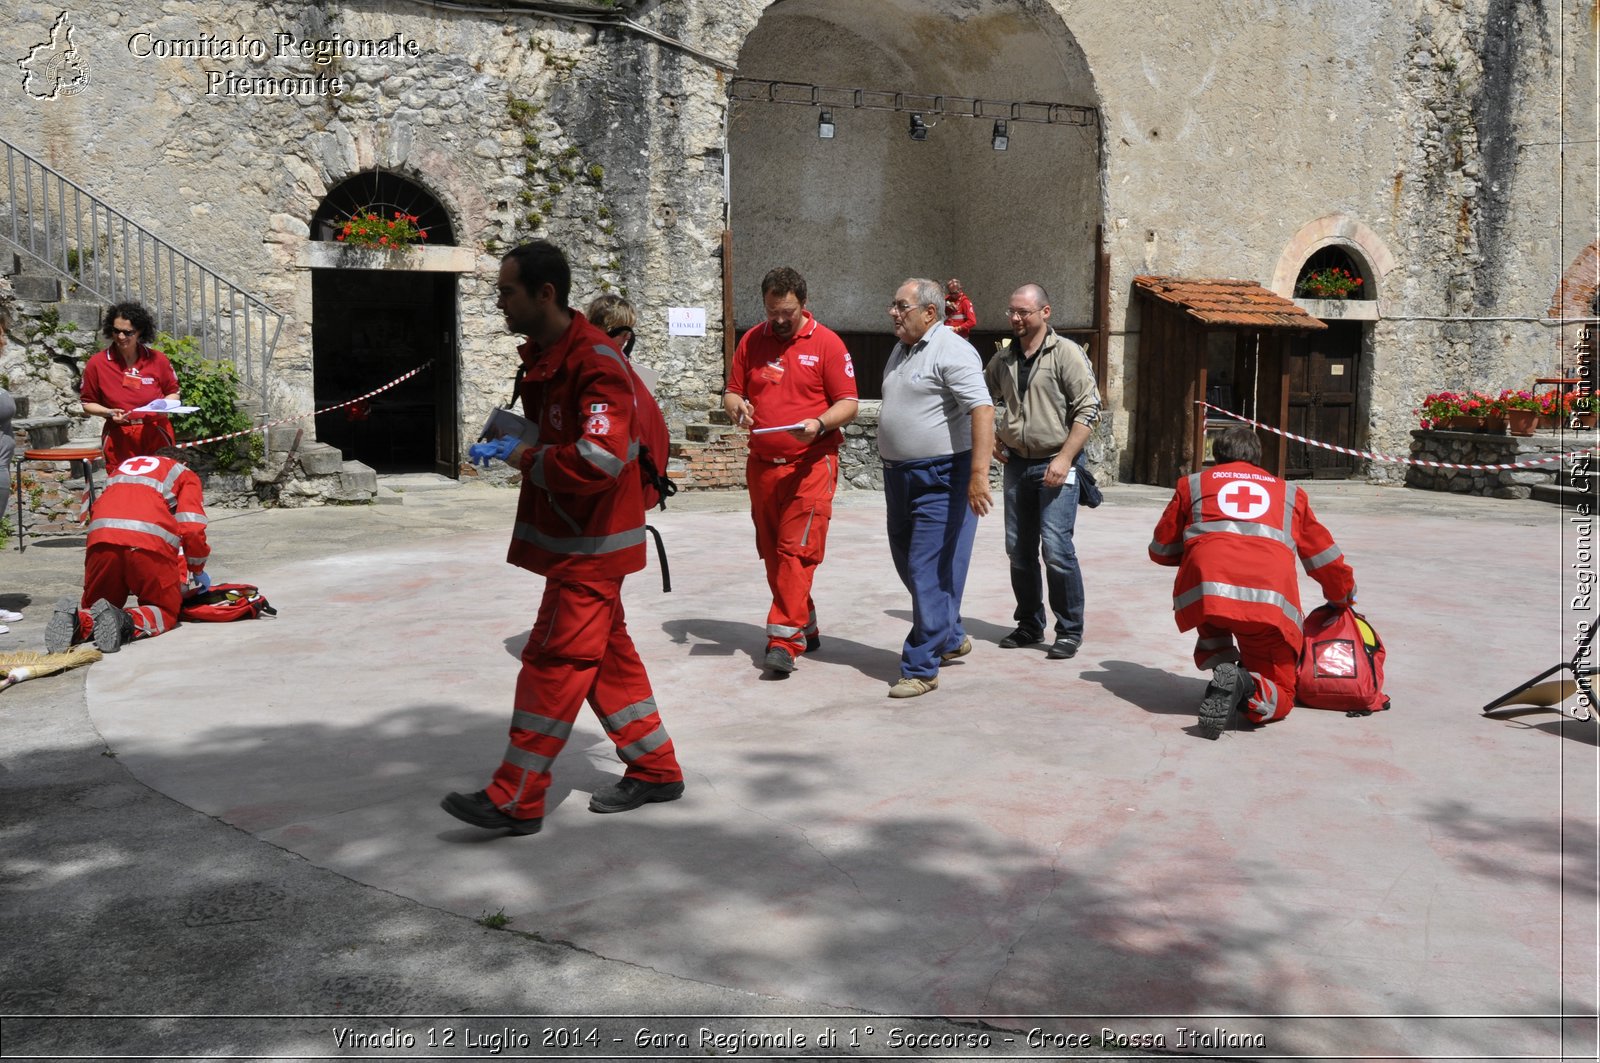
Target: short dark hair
782, 281
541, 262
1239, 443
136, 315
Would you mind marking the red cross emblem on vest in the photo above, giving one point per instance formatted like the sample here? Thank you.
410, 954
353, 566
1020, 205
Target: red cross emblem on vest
1243, 501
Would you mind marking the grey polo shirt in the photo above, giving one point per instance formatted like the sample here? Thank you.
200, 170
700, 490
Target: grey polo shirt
929, 393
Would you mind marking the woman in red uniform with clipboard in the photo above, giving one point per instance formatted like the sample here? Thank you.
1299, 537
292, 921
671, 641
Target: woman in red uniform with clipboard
122, 378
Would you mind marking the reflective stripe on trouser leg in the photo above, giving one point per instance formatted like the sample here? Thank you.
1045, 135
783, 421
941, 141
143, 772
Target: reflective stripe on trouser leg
578, 650
1213, 646
791, 506
1270, 659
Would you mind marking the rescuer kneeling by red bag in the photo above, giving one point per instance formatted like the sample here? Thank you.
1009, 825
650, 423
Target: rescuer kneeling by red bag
1234, 531
147, 540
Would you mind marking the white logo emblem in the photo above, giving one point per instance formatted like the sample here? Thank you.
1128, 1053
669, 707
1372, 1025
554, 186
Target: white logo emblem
555, 416
598, 425
54, 68
139, 466
1243, 501
849, 367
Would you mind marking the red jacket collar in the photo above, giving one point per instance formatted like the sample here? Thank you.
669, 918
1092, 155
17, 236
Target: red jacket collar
541, 363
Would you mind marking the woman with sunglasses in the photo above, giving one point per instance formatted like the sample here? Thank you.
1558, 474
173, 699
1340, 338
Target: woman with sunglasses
126, 375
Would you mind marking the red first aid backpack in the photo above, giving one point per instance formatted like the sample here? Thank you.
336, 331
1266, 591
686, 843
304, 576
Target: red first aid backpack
1341, 663
225, 602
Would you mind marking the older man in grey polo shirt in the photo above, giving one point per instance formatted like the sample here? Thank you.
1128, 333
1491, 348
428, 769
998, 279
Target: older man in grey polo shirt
935, 435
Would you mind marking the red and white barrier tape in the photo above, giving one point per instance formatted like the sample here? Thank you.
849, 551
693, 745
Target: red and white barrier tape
313, 413
1548, 459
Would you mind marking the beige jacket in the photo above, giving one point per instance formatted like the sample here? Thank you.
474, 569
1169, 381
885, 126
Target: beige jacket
1061, 392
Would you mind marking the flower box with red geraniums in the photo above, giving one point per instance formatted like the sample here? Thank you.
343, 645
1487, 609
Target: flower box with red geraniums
1450, 411
368, 229
1330, 283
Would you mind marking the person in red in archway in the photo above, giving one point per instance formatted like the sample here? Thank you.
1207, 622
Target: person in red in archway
1234, 531
147, 539
126, 375
958, 313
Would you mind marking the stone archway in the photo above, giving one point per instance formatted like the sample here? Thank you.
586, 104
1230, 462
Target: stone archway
377, 316
1330, 372
860, 211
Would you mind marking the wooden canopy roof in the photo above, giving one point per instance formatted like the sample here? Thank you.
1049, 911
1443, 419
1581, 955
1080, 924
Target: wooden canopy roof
1228, 303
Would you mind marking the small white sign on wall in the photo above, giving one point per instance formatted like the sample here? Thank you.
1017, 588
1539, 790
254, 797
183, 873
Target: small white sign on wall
686, 321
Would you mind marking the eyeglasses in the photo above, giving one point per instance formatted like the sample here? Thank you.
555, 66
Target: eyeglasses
1014, 312
904, 308
124, 332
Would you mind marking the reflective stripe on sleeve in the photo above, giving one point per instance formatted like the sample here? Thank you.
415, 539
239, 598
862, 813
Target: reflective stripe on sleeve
1166, 549
1316, 561
600, 457
190, 518
1194, 498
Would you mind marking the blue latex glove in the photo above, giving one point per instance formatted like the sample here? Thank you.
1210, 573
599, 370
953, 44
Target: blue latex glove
493, 450
201, 581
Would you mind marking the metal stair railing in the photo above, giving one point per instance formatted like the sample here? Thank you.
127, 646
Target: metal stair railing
81, 238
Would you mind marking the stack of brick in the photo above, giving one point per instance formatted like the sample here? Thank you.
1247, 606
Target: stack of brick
709, 456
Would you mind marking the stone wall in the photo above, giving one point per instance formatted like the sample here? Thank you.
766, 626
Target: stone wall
1483, 448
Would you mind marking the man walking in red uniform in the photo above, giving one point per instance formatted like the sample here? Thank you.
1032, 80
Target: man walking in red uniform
793, 383
1234, 531
580, 524
147, 538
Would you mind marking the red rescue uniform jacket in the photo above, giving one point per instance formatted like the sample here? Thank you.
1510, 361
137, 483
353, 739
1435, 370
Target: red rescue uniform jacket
157, 505
790, 380
581, 512
1234, 532
959, 315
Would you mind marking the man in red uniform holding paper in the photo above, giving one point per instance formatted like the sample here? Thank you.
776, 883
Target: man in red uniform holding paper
580, 524
1234, 531
793, 383
147, 539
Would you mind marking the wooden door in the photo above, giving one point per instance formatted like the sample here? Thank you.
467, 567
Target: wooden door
1324, 380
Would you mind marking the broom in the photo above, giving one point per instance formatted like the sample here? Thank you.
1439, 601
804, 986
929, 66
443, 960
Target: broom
23, 665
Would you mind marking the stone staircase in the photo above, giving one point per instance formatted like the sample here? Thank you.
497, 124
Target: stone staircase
1572, 488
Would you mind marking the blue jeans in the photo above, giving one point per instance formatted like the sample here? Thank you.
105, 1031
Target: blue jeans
1039, 516
931, 529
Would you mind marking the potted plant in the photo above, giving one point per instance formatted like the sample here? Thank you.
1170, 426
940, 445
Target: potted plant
1521, 411
1551, 409
1330, 283
1470, 412
365, 228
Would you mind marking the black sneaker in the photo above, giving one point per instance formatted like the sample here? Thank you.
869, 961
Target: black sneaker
779, 660
112, 626
1020, 637
479, 811
61, 630
631, 793
1062, 649
1229, 688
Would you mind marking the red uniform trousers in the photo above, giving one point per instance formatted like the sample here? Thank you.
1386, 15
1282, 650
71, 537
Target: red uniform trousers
1270, 659
114, 572
123, 441
579, 650
791, 505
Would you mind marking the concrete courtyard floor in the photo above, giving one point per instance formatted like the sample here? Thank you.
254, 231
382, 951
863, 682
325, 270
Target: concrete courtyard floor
243, 819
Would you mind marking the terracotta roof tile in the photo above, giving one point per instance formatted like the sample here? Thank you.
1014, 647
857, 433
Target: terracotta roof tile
1241, 304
